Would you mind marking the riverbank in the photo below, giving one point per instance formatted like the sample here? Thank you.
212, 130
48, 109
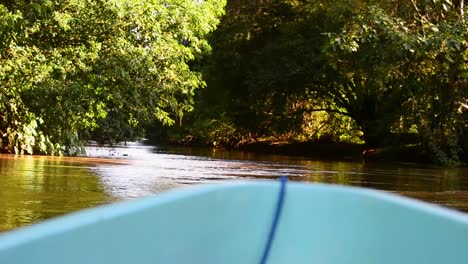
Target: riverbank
339, 151
326, 150
314, 150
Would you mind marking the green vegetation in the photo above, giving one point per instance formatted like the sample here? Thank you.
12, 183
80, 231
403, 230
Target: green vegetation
383, 73
73, 69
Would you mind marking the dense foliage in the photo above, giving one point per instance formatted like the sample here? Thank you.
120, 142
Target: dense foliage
386, 72
76, 69
407, 68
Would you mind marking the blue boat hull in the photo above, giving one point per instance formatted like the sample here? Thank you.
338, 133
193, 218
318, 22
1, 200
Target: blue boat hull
230, 223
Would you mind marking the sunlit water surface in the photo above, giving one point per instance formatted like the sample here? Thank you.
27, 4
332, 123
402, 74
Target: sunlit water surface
34, 188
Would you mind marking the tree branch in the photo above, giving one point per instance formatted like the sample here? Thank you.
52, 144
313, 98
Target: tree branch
462, 12
420, 15
464, 105
416, 8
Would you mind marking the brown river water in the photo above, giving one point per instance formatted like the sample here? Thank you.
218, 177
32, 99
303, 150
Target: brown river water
35, 188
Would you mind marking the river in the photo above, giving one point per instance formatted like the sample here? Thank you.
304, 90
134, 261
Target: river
34, 188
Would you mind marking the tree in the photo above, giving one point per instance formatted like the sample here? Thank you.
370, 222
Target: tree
266, 56
74, 69
396, 69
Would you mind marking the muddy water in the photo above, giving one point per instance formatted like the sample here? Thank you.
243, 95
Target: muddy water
34, 188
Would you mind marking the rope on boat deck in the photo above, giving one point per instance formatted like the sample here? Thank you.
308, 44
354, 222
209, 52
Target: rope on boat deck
276, 218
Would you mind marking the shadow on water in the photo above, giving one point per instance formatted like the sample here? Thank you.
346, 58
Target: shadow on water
36, 188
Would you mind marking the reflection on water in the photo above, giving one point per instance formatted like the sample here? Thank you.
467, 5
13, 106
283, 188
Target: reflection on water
36, 188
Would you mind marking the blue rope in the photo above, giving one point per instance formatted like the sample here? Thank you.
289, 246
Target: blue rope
274, 225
